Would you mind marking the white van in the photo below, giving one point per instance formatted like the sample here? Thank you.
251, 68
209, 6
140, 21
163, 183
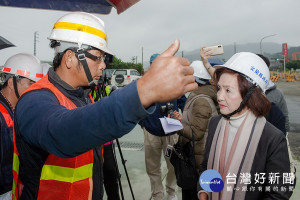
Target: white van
122, 77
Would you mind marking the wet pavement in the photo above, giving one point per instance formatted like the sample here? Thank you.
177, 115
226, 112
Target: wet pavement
133, 151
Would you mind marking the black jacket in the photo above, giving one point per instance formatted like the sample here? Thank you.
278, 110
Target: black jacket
6, 150
276, 117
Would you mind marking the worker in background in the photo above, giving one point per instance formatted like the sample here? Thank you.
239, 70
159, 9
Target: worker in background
110, 168
276, 96
200, 107
18, 73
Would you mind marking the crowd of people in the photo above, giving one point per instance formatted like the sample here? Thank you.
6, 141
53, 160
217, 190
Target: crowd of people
57, 134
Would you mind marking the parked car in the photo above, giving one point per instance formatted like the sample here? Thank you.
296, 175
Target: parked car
122, 77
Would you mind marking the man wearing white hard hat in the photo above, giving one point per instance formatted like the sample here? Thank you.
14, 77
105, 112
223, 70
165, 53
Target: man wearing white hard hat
200, 106
18, 73
58, 152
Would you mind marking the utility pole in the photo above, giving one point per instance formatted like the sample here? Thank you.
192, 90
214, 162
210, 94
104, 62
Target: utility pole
181, 53
36, 37
277, 59
284, 64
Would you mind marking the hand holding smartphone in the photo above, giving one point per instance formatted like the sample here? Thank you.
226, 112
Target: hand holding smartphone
216, 50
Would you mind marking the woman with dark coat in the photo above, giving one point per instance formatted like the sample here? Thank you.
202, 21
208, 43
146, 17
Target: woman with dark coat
250, 154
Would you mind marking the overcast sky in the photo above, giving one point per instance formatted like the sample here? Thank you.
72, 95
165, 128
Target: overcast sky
155, 24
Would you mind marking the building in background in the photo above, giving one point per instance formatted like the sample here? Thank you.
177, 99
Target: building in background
285, 53
296, 55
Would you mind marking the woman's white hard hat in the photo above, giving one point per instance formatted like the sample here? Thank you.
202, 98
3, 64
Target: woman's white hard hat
251, 66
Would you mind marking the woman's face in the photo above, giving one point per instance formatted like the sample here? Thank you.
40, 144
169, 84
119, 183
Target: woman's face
229, 97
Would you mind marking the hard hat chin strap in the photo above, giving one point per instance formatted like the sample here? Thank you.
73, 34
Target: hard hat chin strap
16, 87
80, 53
242, 105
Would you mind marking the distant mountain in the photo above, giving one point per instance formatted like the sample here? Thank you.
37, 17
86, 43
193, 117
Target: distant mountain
271, 50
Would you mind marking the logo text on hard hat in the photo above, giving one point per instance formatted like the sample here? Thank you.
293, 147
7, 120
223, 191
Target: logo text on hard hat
258, 73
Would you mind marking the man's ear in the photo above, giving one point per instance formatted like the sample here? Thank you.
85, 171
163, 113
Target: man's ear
10, 83
68, 58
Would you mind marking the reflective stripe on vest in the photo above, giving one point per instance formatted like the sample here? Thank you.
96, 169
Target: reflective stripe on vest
66, 174
17, 184
6, 115
64, 178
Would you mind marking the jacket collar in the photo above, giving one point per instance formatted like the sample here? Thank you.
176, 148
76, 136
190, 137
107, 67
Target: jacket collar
65, 87
209, 90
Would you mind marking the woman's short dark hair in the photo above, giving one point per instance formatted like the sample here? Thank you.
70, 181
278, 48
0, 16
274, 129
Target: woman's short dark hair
257, 102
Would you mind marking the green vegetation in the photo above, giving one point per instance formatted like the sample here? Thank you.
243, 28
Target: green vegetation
295, 64
119, 64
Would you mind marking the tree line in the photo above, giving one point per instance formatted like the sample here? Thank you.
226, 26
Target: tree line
119, 64
293, 64
115, 63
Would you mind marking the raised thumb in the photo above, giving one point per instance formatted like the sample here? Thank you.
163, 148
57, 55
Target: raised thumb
172, 49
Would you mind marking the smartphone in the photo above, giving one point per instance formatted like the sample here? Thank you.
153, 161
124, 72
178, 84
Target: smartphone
216, 50
169, 150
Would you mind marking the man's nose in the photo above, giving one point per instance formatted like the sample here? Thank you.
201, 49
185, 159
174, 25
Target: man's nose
102, 65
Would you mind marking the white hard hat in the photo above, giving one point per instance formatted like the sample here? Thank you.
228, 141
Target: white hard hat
199, 70
25, 65
251, 66
80, 29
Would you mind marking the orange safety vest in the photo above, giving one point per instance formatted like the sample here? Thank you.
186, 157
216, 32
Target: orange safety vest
6, 115
61, 178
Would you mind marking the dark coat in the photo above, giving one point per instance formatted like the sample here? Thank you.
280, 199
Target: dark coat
276, 117
276, 96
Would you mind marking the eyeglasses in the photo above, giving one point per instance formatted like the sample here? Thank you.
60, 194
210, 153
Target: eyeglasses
98, 59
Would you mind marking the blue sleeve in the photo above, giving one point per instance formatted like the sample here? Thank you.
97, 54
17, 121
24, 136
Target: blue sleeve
181, 102
44, 123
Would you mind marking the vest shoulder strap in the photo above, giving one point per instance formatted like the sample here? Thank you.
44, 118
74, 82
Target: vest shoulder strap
44, 83
6, 115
